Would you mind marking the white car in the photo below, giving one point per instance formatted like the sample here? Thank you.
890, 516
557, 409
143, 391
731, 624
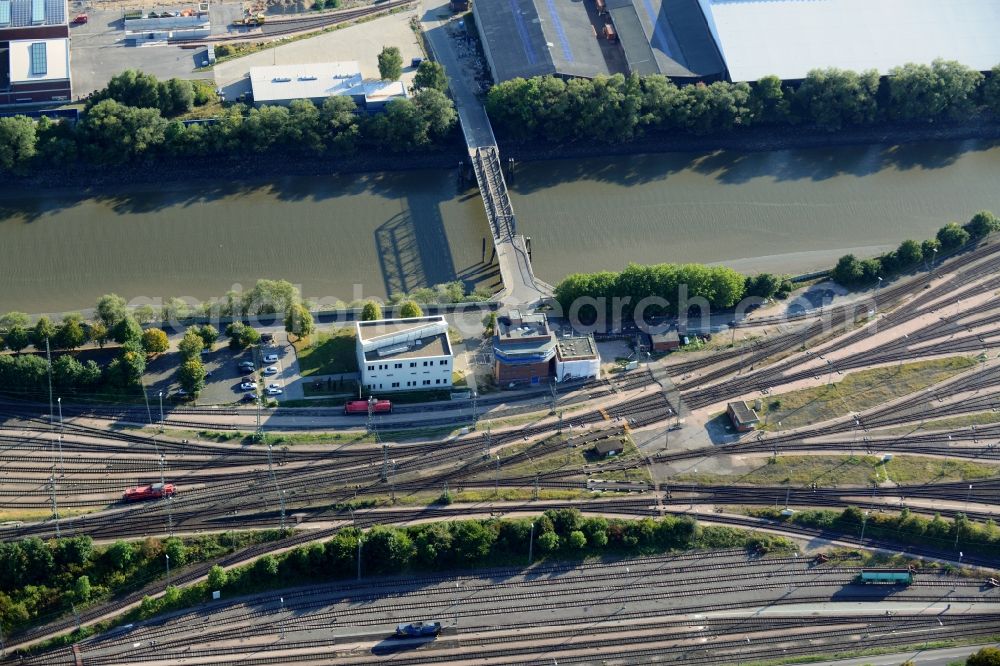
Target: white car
272, 385
271, 358
273, 391
248, 386
271, 370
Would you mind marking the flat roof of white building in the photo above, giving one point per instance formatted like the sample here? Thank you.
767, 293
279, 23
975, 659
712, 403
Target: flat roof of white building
285, 82
788, 38
39, 60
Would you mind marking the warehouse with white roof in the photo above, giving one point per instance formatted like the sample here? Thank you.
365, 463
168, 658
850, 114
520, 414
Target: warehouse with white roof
788, 38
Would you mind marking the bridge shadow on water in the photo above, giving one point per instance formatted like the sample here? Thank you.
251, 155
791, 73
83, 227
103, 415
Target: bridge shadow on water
414, 250
733, 167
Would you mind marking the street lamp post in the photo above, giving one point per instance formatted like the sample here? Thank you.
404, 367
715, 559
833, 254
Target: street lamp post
168, 568
392, 481
160, 395
864, 523
877, 285
281, 624
496, 479
531, 545
361, 538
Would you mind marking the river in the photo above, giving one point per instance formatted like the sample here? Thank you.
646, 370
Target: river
346, 237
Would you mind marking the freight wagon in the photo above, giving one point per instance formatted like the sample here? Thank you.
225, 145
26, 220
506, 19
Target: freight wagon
886, 576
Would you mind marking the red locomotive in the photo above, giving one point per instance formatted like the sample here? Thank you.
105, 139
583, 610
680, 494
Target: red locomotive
154, 491
361, 407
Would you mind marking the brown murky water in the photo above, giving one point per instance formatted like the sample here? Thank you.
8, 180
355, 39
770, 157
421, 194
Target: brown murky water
785, 211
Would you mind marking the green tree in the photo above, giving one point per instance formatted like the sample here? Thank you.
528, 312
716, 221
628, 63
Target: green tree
402, 127
71, 334
81, 589
991, 90
833, 98
930, 248
130, 88
127, 329
130, 365
73, 551
437, 110
767, 101
209, 335
99, 333
951, 236
430, 75
217, 577
176, 97
909, 253
44, 330
155, 341
17, 338
577, 540
371, 311
191, 375
13, 319
270, 297
241, 336
177, 551
848, 271
299, 321
409, 309
121, 554
390, 63
115, 133
18, 142
929, 92
763, 285
987, 656
338, 123
548, 542
471, 541
387, 550
191, 344
111, 309
982, 223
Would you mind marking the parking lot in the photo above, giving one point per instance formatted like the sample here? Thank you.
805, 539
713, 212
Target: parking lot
224, 376
98, 52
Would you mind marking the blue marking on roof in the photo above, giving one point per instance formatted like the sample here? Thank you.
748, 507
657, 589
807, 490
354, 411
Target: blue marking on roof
658, 38
522, 32
567, 51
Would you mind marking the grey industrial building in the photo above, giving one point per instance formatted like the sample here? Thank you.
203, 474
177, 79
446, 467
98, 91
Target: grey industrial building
569, 38
736, 40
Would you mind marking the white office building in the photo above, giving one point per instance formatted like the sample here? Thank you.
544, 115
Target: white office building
404, 354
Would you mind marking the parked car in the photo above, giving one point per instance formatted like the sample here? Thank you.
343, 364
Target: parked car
271, 370
273, 385
273, 391
247, 365
271, 358
248, 386
249, 397
246, 378
267, 337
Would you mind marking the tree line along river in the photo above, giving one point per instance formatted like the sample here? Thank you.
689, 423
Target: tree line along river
349, 236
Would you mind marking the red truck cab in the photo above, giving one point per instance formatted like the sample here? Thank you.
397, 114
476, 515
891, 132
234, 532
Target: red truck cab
154, 491
81, 19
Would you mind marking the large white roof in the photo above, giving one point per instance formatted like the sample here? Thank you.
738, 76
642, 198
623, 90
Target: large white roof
788, 38
284, 82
